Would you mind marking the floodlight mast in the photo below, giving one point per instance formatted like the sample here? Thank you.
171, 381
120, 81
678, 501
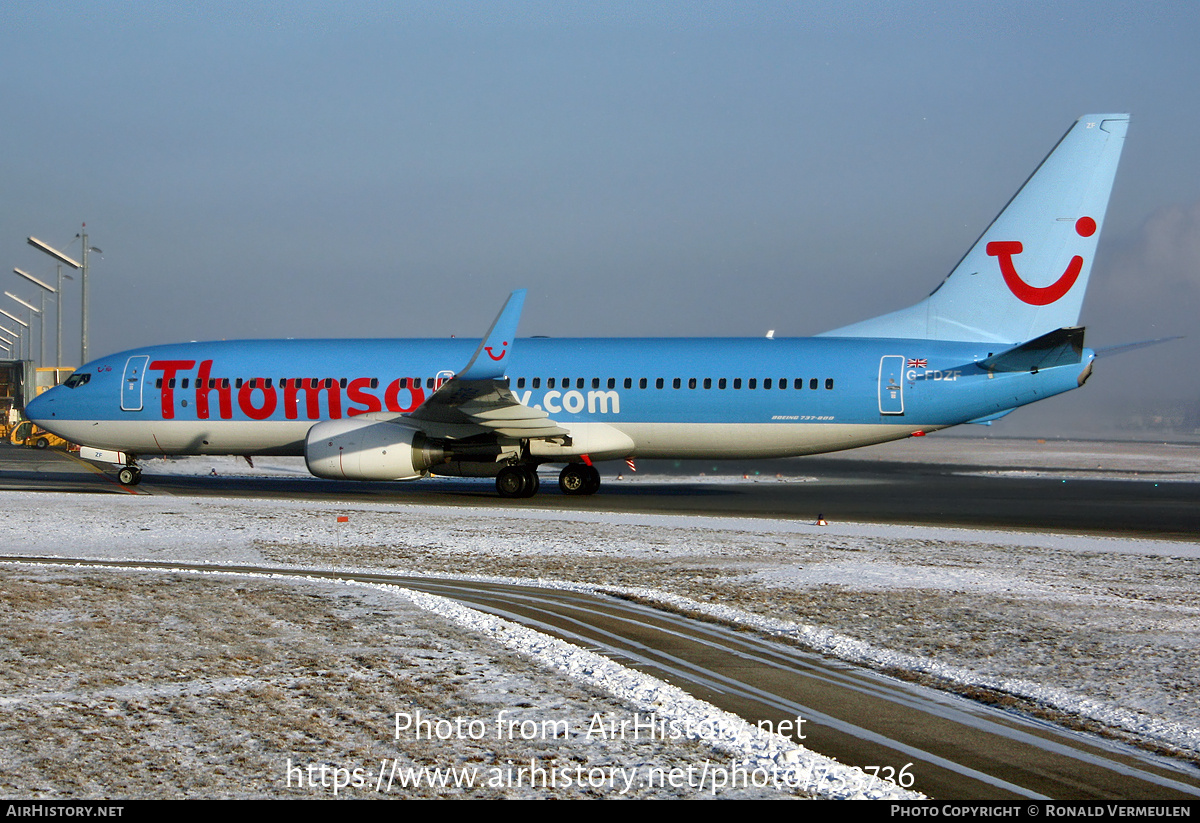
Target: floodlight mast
83, 267
30, 311
20, 334
58, 314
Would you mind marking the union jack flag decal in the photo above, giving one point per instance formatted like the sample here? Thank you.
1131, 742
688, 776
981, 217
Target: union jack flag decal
917, 363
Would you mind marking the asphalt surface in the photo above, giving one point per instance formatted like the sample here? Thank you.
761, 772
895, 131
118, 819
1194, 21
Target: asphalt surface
840, 489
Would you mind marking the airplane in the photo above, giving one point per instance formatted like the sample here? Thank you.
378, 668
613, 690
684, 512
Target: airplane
999, 332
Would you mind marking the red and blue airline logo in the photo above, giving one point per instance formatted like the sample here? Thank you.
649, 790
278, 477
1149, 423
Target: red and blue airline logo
1005, 250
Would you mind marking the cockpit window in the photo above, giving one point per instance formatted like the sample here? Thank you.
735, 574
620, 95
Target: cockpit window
76, 380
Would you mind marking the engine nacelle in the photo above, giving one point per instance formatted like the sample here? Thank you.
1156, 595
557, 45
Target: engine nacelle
350, 449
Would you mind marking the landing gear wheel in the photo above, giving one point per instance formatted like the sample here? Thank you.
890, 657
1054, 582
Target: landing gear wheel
577, 479
130, 476
517, 481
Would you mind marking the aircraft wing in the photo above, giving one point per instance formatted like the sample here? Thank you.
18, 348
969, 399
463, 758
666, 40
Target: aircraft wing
488, 404
479, 395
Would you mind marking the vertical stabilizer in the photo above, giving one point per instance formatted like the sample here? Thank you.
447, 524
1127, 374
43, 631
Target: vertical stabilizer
1027, 274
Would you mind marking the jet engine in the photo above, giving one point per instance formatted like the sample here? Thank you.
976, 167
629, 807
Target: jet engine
350, 449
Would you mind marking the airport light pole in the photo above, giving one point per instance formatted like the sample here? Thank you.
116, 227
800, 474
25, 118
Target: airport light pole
48, 288
58, 343
83, 267
30, 311
21, 335
9, 336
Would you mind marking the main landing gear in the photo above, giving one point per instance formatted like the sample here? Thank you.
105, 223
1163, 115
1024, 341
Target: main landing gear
578, 478
522, 480
517, 481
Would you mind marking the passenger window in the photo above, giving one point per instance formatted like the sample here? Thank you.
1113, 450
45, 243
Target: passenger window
520, 382
737, 382
658, 384
537, 382
579, 383
798, 384
752, 383
550, 382
766, 383
829, 383
721, 383
708, 382
676, 383
812, 384
642, 383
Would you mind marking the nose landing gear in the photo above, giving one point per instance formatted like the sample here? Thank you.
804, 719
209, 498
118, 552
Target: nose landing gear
129, 475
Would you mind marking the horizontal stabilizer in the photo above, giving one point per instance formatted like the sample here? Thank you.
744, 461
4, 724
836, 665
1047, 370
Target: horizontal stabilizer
1061, 347
1108, 351
991, 418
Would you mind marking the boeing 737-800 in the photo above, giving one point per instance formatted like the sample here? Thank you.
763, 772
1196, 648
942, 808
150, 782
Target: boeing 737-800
998, 333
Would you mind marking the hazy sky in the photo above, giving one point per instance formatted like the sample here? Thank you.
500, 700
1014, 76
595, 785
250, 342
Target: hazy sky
395, 169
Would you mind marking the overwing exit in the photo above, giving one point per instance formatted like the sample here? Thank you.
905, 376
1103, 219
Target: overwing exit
998, 333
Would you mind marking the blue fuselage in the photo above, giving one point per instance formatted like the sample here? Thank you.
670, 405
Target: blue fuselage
674, 397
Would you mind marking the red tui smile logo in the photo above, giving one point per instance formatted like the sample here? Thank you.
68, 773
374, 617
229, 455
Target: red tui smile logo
1005, 250
494, 356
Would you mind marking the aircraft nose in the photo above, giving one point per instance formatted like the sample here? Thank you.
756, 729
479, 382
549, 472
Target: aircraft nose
40, 408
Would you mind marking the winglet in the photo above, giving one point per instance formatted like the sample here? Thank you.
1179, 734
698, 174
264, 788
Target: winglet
491, 358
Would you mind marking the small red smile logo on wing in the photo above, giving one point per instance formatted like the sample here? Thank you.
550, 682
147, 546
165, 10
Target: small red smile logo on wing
500, 356
1005, 250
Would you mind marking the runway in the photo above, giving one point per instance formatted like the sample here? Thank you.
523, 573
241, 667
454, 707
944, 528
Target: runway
840, 488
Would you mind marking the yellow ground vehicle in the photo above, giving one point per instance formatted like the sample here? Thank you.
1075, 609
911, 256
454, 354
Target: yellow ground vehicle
26, 433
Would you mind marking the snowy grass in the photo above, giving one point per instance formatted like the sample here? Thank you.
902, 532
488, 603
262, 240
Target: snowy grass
103, 673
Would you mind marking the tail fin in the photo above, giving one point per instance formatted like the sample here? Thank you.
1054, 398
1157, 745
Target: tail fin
1026, 275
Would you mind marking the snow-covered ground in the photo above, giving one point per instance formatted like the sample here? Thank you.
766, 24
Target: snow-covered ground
165, 684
